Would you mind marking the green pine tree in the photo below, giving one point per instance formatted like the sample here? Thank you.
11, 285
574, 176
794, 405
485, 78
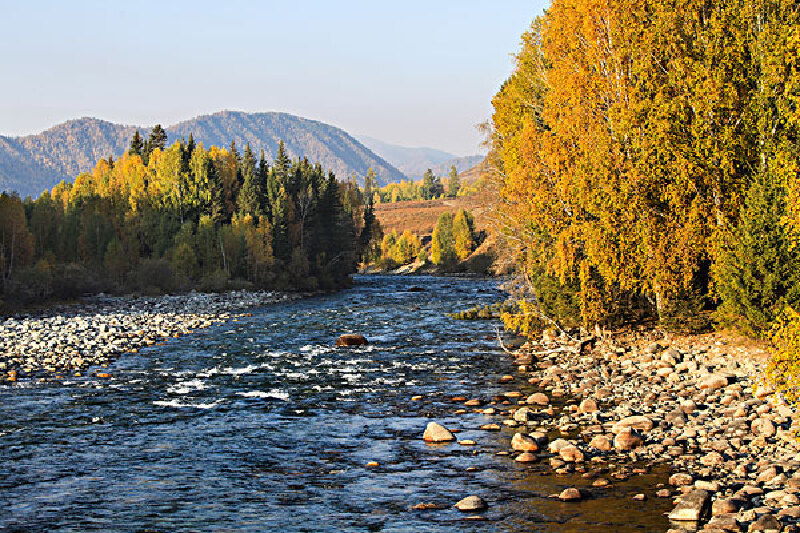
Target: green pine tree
760, 272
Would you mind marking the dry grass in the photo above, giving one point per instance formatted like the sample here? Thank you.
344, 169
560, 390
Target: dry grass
420, 216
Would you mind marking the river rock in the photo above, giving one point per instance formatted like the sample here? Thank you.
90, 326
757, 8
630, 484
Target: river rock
538, 398
437, 433
626, 439
762, 427
724, 506
471, 503
588, 406
766, 523
351, 339
713, 382
693, 506
571, 454
523, 416
525, 457
601, 442
570, 495
633, 422
522, 443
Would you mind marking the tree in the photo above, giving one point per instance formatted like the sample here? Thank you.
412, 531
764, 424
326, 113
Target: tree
158, 139
431, 186
759, 271
463, 234
16, 242
137, 145
453, 182
442, 247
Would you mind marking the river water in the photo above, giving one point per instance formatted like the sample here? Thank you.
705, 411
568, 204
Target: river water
260, 424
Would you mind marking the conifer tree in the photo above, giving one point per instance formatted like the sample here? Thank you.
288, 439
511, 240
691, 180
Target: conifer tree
463, 234
137, 144
453, 182
442, 250
759, 272
158, 139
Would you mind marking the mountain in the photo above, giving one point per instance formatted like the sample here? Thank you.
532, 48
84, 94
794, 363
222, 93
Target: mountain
413, 162
462, 164
334, 148
33, 163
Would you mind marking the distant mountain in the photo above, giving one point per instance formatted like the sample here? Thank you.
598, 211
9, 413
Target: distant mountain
413, 162
31, 164
462, 164
334, 148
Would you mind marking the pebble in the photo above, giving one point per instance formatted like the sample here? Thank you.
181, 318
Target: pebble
70, 339
695, 404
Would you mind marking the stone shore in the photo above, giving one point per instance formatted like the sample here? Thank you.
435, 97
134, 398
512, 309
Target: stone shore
71, 340
696, 404
611, 409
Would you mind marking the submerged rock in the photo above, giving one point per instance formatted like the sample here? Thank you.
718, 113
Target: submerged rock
351, 339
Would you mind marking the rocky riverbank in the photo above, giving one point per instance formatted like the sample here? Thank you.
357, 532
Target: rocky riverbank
610, 410
69, 340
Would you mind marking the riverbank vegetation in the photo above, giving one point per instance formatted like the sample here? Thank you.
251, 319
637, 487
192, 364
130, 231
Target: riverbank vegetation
170, 218
647, 165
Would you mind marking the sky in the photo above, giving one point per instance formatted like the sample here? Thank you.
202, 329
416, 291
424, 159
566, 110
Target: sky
414, 73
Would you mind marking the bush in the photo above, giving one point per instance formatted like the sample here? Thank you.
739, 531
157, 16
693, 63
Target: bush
784, 367
216, 281
156, 275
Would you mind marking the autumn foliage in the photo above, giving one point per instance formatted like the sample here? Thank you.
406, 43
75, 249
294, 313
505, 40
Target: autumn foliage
626, 141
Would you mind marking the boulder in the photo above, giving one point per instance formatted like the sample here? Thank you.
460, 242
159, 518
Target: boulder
713, 382
588, 406
633, 422
693, 506
570, 495
626, 439
538, 398
571, 454
471, 503
762, 427
525, 457
522, 443
351, 339
437, 433
601, 442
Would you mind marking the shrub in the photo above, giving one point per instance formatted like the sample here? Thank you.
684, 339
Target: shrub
784, 367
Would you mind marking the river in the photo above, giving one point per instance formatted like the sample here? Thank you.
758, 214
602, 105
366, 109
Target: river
260, 424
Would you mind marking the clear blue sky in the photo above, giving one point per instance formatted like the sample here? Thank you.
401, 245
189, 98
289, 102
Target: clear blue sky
416, 73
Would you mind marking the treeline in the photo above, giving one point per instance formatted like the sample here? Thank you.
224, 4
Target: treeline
647, 157
430, 187
169, 218
454, 239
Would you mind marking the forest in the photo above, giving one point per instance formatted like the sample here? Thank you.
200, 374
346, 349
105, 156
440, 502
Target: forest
646, 161
166, 218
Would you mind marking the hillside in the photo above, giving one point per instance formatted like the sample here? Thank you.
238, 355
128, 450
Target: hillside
420, 216
31, 164
413, 162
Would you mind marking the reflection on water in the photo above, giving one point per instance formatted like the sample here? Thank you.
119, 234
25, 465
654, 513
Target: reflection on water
261, 424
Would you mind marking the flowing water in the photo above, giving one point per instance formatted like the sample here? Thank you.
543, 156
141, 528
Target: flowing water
260, 424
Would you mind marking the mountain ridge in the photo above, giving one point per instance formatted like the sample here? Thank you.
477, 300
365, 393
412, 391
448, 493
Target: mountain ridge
414, 161
33, 163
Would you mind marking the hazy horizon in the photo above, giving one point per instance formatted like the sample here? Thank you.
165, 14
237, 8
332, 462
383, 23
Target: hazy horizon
416, 74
